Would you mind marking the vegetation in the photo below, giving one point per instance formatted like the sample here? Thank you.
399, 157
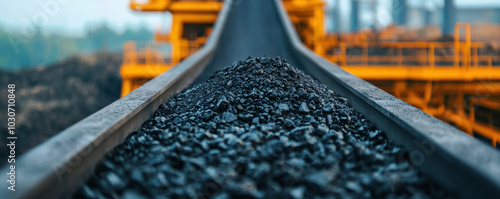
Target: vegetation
19, 52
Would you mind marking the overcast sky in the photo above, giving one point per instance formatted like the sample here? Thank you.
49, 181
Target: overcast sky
72, 16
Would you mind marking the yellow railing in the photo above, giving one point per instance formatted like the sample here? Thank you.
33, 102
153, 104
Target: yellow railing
358, 51
458, 54
148, 53
188, 47
150, 59
143, 63
158, 53
417, 71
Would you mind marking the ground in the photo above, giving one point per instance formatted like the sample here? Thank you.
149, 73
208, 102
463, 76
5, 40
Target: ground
52, 98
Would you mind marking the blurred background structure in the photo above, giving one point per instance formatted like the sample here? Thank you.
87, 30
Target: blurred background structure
440, 56
436, 55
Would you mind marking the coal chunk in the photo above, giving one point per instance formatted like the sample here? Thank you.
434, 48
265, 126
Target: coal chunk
303, 108
289, 124
222, 104
284, 108
228, 117
328, 108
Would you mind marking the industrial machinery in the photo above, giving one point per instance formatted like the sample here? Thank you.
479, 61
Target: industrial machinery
307, 17
192, 22
455, 81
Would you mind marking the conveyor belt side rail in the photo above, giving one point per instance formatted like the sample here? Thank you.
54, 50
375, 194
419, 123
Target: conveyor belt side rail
454, 159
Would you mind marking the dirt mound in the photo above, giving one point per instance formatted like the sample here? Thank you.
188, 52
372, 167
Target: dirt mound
52, 98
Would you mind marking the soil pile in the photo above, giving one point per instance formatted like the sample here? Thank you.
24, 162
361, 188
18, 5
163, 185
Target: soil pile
52, 98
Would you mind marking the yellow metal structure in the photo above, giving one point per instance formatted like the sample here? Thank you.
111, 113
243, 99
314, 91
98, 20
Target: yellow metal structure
192, 21
454, 81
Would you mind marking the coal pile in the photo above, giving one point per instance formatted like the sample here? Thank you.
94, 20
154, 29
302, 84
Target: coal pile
52, 98
258, 129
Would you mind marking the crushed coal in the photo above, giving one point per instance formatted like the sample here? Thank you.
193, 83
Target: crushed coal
259, 128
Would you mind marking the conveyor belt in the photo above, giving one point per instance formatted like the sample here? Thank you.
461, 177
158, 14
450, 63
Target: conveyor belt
252, 29
256, 27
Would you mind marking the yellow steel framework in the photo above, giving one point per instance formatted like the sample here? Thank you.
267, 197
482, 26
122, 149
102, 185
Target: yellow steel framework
192, 21
454, 81
308, 16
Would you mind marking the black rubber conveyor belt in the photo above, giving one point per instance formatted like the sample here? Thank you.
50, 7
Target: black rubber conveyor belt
253, 28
